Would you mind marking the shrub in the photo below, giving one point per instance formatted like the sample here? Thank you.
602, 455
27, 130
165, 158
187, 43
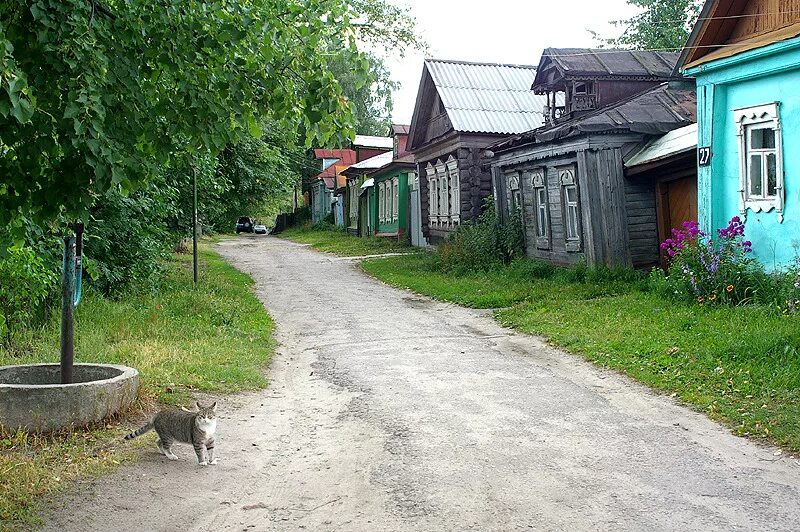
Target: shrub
126, 242
25, 285
484, 244
721, 270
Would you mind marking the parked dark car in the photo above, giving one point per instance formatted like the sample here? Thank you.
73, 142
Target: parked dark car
244, 225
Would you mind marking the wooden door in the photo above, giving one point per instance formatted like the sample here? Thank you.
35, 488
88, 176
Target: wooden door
677, 203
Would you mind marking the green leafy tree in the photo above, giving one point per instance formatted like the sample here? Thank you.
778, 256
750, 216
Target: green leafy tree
661, 25
98, 99
371, 99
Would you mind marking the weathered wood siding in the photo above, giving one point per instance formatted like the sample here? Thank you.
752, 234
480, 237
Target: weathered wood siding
763, 16
618, 224
640, 199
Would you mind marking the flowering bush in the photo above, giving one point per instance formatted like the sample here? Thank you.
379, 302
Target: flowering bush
717, 270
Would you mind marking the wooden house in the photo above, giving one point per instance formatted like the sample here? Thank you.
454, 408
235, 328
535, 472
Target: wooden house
357, 193
392, 214
568, 177
323, 185
745, 57
461, 108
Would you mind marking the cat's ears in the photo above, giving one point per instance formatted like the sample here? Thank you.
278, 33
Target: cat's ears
213, 406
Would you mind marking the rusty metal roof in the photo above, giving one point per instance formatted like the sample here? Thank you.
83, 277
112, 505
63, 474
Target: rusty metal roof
487, 97
653, 112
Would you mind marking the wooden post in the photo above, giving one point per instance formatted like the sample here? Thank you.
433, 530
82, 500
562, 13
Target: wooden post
194, 225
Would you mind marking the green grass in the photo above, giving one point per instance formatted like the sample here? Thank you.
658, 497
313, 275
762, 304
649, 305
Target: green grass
340, 243
739, 365
214, 339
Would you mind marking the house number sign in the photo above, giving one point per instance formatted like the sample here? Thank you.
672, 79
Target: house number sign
704, 156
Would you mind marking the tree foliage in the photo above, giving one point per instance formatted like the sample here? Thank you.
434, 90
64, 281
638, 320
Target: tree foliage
371, 101
661, 25
96, 99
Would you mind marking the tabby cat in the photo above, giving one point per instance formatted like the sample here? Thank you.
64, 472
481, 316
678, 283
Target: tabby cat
197, 428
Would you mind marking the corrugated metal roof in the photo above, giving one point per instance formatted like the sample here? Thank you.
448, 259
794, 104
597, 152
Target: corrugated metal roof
486, 97
366, 141
373, 162
678, 141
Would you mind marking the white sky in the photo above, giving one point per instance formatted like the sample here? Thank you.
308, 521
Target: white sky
498, 31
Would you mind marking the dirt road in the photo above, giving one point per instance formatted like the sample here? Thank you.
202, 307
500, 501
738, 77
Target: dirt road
388, 411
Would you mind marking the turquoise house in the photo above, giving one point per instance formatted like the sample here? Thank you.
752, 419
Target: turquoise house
745, 57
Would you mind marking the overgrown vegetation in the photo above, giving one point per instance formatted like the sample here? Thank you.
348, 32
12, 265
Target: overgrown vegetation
216, 338
484, 244
722, 271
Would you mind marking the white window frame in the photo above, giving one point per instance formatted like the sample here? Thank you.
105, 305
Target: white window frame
454, 185
514, 192
766, 116
444, 207
572, 211
541, 207
396, 195
433, 211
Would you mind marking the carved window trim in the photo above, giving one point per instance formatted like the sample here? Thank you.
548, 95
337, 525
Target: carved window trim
570, 205
747, 120
541, 207
395, 200
454, 190
433, 211
443, 199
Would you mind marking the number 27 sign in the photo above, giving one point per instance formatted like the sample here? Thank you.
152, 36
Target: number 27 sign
704, 156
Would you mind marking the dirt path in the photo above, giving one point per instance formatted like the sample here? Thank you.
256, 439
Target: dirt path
388, 411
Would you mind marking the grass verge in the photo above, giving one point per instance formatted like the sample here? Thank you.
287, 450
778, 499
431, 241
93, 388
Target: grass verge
216, 338
340, 243
739, 365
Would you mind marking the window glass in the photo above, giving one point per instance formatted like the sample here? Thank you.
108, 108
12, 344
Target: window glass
756, 184
541, 204
571, 199
772, 175
762, 139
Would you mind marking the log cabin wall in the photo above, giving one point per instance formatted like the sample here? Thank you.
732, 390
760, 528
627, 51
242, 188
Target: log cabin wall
475, 180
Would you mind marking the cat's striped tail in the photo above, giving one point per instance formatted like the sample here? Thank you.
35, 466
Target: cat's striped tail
139, 432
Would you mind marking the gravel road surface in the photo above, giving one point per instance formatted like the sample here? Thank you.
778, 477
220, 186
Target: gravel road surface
388, 411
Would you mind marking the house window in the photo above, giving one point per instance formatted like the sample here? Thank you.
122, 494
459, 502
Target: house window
433, 194
444, 194
571, 206
380, 203
515, 196
395, 199
539, 186
760, 159
454, 183
569, 199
